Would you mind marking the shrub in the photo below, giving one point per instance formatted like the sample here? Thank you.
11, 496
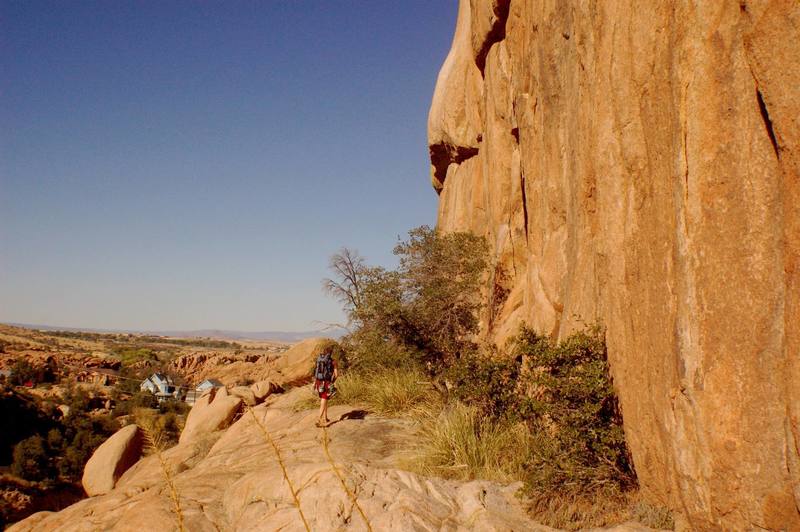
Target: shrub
31, 459
573, 411
131, 355
163, 428
490, 383
23, 371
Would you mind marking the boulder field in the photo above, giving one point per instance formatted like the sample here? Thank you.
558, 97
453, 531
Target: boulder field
637, 164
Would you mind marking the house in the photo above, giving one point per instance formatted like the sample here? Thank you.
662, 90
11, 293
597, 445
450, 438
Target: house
209, 383
161, 386
193, 395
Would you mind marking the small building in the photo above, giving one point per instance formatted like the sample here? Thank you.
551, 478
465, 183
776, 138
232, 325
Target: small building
161, 386
207, 384
193, 395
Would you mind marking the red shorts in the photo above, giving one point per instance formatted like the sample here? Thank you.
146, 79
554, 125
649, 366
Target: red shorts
323, 388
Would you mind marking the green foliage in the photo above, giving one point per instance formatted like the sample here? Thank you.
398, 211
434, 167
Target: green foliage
140, 399
163, 427
489, 381
22, 419
31, 459
131, 355
426, 309
574, 413
23, 371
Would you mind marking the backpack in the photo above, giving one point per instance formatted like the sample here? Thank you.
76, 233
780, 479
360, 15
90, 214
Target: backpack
324, 369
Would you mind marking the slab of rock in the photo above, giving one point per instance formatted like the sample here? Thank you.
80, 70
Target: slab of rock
639, 165
111, 460
208, 415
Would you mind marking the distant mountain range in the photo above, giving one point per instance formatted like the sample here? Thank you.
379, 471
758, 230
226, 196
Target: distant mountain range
280, 336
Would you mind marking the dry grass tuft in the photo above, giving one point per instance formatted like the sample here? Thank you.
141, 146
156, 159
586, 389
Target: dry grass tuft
154, 443
335, 469
458, 443
604, 507
268, 439
388, 392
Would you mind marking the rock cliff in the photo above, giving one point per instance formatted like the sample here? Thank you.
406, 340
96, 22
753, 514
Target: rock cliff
638, 164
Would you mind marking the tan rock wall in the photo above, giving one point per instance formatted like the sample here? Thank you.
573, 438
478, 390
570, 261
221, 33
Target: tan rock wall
638, 163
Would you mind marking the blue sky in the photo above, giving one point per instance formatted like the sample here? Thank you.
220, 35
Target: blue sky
181, 165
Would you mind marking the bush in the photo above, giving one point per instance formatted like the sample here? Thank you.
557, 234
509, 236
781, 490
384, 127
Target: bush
23, 371
131, 355
491, 383
163, 428
572, 409
32, 460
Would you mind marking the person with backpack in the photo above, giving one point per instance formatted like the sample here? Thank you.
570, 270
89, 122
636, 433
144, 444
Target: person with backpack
325, 374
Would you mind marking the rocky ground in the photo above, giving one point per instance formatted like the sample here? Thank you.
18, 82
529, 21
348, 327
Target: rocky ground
232, 479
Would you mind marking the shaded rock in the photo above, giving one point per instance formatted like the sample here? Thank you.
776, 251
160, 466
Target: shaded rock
639, 165
111, 460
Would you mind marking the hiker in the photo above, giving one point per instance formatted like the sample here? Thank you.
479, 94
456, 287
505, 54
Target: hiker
325, 375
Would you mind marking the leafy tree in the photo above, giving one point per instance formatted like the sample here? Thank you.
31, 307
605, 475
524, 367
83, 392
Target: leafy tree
426, 309
441, 279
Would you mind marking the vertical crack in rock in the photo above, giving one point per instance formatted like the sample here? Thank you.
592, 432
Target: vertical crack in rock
767, 123
524, 205
443, 155
496, 34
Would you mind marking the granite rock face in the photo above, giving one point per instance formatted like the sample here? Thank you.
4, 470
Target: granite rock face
638, 164
109, 461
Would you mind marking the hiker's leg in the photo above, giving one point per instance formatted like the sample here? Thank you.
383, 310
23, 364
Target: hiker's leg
323, 409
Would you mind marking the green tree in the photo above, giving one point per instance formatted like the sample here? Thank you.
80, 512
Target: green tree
31, 459
426, 309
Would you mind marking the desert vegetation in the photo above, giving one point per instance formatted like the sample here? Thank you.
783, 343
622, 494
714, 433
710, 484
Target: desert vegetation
537, 410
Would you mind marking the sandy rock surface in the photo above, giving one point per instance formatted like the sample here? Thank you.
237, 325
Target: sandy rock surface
638, 164
234, 482
111, 460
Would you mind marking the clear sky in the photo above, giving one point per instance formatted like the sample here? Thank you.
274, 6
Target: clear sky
184, 165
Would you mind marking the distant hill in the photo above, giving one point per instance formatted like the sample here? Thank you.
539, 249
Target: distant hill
282, 336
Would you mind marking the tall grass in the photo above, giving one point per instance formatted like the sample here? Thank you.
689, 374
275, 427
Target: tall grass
387, 392
458, 442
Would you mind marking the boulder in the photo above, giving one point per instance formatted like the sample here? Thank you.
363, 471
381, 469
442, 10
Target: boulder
263, 389
245, 394
208, 415
111, 460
